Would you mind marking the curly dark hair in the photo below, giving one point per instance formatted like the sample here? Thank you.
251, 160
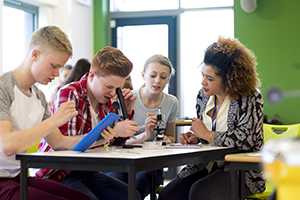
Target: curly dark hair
235, 64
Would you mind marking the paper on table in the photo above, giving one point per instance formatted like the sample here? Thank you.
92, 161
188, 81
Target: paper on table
183, 146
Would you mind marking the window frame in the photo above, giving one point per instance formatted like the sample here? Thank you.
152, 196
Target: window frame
29, 8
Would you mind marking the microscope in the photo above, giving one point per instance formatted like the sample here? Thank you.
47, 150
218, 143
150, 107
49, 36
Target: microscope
158, 131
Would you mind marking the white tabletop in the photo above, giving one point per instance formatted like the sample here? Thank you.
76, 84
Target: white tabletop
135, 153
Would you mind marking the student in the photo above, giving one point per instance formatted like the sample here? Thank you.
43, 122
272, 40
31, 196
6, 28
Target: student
64, 73
229, 110
150, 97
93, 94
24, 115
81, 67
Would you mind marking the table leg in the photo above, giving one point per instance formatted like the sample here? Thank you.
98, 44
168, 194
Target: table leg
152, 189
131, 184
23, 181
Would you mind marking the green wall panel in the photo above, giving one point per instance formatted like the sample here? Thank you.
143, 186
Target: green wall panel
273, 33
101, 24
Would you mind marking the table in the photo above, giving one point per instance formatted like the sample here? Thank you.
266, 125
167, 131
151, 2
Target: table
244, 161
124, 160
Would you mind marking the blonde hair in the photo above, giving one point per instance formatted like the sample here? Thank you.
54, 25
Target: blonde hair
160, 59
51, 37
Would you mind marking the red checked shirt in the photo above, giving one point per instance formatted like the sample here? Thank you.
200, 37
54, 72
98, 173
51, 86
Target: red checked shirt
78, 125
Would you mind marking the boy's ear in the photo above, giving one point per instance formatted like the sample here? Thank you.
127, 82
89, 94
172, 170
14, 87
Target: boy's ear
92, 74
35, 54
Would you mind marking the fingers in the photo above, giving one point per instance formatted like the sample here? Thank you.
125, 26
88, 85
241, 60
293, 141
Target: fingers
168, 139
128, 94
126, 128
184, 139
108, 134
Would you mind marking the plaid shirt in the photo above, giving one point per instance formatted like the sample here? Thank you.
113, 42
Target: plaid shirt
78, 125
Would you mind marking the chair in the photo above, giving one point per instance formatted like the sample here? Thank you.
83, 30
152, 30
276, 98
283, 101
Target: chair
272, 132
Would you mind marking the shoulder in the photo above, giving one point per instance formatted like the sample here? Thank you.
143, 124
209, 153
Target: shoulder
171, 98
75, 88
7, 81
7, 84
255, 98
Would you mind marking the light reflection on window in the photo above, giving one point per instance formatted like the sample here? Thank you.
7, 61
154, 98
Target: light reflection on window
17, 29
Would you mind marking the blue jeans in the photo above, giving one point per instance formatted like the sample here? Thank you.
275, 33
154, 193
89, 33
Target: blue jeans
97, 185
143, 180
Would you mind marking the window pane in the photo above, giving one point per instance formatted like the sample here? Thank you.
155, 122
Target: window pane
205, 3
141, 5
139, 43
17, 29
194, 39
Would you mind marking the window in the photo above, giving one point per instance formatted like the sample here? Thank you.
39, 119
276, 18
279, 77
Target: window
200, 23
138, 5
15, 38
205, 3
195, 38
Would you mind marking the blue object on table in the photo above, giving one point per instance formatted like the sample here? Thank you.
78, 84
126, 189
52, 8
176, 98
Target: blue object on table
95, 134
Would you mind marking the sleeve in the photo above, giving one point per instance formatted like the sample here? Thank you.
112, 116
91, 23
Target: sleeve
5, 104
64, 95
174, 111
247, 133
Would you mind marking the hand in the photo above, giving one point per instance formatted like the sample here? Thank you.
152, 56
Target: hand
65, 112
188, 138
126, 128
129, 99
200, 130
150, 123
168, 139
108, 134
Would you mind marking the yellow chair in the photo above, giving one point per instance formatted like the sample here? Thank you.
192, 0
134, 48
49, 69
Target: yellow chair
272, 132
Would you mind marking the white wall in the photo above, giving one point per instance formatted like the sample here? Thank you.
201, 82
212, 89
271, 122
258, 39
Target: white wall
71, 16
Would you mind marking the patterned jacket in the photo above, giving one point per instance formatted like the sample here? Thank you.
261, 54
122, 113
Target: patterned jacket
245, 132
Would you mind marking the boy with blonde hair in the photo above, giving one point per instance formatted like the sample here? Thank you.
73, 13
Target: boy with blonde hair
24, 115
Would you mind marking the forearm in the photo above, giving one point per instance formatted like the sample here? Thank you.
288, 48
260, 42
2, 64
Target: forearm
60, 142
206, 135
18, 141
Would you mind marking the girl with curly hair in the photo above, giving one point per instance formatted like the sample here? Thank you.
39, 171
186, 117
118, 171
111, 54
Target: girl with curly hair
229, 113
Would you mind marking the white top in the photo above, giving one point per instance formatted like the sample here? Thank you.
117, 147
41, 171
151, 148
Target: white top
221, 120
24, 112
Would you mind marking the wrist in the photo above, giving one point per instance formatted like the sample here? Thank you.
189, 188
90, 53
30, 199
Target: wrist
209, 136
